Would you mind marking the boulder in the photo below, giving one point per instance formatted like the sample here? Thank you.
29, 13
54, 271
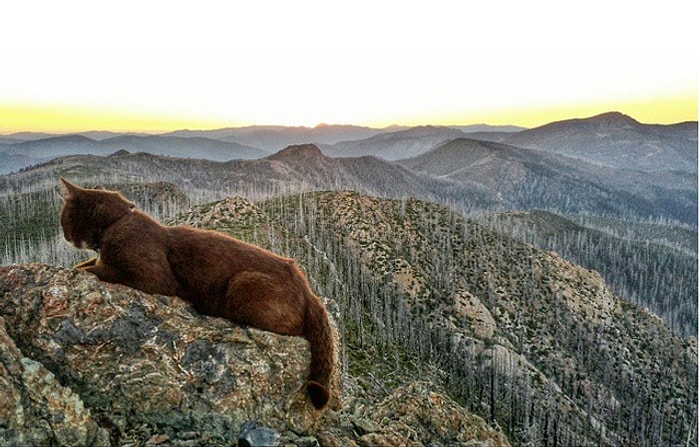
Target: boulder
84, 362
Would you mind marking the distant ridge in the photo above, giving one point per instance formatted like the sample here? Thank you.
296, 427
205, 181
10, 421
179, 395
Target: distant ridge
396, 145
15, 156
616, 140
533, 178
275, 138
610, 139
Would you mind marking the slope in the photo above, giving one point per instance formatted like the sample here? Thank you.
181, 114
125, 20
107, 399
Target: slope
619, 141
37, 151
521, 336
650, 274
395, 145
530, 178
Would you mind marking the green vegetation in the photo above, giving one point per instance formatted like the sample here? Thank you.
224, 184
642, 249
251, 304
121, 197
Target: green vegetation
659, 273
564, 362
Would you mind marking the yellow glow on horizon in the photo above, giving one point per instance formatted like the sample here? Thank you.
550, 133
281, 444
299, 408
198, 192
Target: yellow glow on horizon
161, 93
668, 110
56, 119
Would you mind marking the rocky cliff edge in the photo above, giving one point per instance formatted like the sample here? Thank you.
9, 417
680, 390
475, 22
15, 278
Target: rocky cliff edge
88, 363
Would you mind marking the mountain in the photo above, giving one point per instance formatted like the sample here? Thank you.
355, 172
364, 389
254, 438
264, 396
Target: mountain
492, 312
275, 138
525, 338
395, 145
15, 162
617, 140
532, 178
28, 136
294, 169
41, 150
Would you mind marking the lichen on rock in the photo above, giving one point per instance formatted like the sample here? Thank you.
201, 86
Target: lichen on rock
36, 409
87, 363
136, 359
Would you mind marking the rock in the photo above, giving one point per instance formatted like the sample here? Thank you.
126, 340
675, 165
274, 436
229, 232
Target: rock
468, 306
364, 426
35, 409
85, 362
255, 435
307, 441
158, 439
416, 415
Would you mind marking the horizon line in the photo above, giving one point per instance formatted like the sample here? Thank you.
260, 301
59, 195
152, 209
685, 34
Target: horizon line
217, 127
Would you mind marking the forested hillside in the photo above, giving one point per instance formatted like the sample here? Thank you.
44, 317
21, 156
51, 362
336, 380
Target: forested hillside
659, 274
570, 326
649, 262
521, 337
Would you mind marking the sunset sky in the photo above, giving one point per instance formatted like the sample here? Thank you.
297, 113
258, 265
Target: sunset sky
174, 69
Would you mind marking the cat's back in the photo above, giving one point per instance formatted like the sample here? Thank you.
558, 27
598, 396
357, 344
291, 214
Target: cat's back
194, 245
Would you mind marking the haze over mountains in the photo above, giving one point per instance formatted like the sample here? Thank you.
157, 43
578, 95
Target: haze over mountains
445, 166
609, 167
14, 156
553, 270
607, 164
24, 149
617, 140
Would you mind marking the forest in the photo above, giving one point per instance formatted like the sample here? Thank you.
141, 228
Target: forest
536, 345
547, 288
660, 274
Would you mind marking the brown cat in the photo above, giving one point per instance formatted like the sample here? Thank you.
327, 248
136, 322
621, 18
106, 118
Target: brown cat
220, 275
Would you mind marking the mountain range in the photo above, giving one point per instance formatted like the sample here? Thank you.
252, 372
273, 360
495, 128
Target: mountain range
606, 164
426, 299
504, 311
19, 155
468, 175
24, 149
619, 141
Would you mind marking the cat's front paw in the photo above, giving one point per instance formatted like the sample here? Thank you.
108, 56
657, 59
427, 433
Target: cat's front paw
85, 264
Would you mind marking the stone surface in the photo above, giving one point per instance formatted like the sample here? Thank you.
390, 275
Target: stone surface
137, 360
35, 409
416, 415
88, 363
256, 435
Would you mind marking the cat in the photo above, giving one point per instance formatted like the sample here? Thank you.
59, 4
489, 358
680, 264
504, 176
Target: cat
220, 275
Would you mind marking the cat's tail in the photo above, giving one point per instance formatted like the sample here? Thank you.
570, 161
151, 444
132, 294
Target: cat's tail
317, 331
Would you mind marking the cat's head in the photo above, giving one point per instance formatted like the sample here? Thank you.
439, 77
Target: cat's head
87, 213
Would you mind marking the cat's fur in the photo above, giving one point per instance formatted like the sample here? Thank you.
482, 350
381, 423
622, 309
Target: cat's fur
220, 275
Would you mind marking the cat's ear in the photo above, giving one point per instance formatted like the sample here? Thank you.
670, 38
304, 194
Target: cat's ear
68, 190
100, 188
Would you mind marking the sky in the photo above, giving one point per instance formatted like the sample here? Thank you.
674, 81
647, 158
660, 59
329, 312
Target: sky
160, 66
